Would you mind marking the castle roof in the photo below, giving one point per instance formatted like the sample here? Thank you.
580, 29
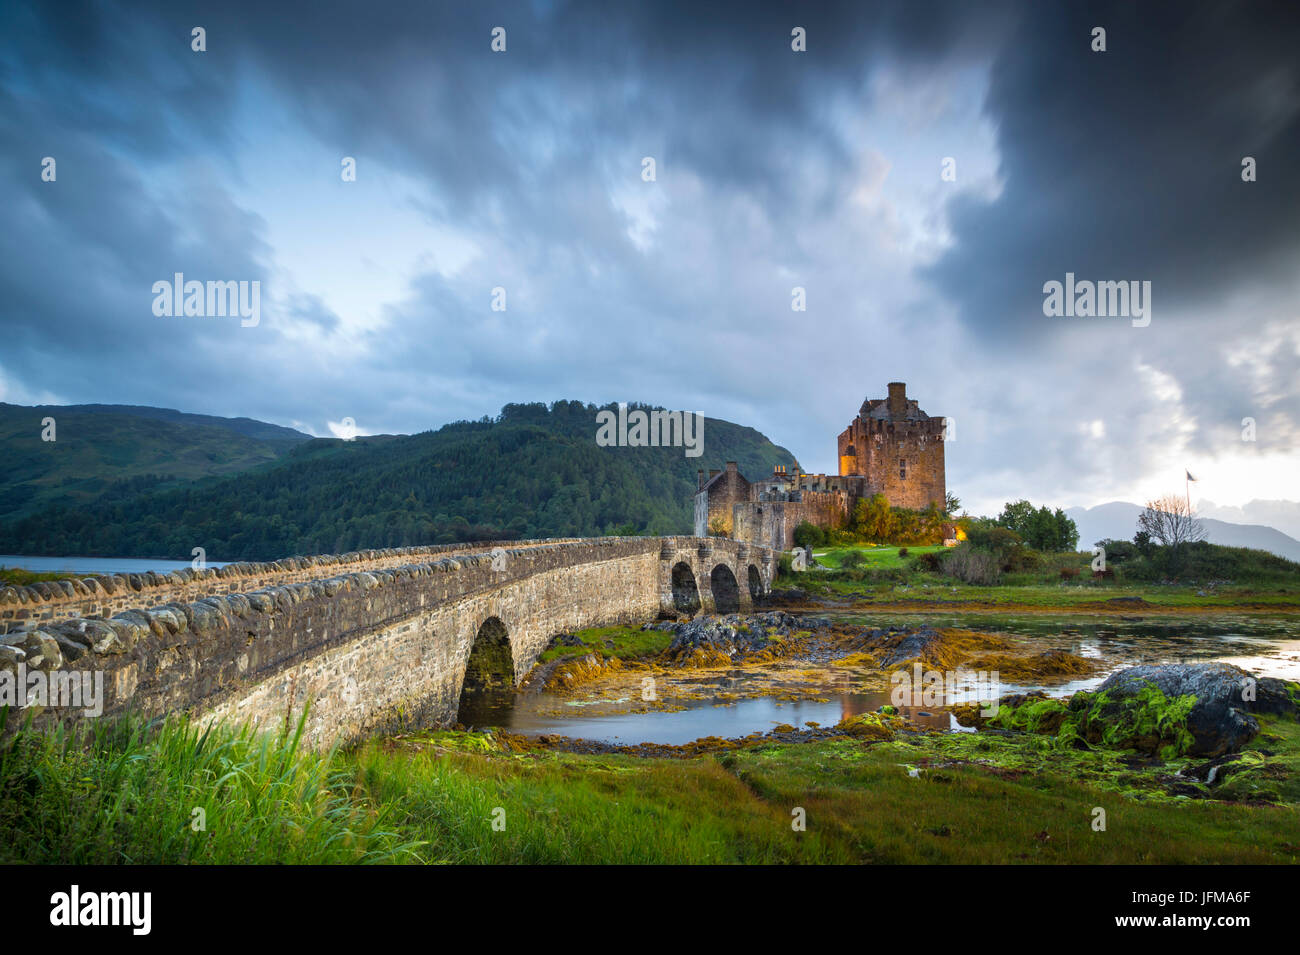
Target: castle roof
878, 408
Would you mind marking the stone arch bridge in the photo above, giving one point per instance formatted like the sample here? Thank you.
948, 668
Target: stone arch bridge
372, 642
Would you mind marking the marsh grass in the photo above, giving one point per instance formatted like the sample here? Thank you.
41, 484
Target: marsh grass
126, 791
628, 643
22, 577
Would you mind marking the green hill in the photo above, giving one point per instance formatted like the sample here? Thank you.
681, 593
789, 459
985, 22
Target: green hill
533, 471
122, 449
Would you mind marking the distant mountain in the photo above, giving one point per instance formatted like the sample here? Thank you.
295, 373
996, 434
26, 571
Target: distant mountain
533, 471
115, 450
1118, 520
1284, 515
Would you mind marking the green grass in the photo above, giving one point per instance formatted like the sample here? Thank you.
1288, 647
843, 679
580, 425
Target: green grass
874, 557
628, 643
128, 797
1215, 578
21, 577
921, 591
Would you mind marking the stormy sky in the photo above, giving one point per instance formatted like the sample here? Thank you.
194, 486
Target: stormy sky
774, 169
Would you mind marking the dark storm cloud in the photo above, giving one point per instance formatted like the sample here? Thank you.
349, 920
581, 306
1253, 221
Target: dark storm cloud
1127, 164
114, 91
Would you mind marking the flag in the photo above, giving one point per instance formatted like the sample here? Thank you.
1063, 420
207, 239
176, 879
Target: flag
1189, 475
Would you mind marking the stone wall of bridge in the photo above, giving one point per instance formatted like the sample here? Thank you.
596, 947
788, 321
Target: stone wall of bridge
384, 648
102, 595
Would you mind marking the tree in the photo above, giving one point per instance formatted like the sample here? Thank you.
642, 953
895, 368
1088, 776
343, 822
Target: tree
992, 537
873, 519
951, 504
1169, 522
1016, 517
1041, 529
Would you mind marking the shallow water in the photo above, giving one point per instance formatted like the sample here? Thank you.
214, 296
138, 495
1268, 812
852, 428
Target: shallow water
97, 565
1266, 647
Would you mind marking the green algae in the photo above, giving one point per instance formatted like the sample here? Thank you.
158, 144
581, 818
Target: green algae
1148, 721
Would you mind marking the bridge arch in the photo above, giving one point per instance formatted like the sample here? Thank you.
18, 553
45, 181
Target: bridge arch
755, 583
726, 592
686, 594
490, 669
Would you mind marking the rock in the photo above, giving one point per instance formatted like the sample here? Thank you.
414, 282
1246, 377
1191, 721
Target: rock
911, 646
775, 598
42, 650
717, 641
11, 656
1275, 697
125, 634
1199, 709
870, 726
168, 618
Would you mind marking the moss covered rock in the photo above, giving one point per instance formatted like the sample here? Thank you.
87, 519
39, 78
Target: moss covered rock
1211, 703
871, 726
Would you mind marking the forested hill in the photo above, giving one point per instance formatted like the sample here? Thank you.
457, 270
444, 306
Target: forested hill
75, 454
531, 472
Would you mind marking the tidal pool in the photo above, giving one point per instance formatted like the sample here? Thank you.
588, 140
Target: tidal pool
615, 713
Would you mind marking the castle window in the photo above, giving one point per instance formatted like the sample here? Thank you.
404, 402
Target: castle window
902, 470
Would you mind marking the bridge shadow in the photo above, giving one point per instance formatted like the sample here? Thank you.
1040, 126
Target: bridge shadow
726, 592
489, 682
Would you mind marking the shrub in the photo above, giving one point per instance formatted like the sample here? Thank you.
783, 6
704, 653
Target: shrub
809, 535
972, 566
992, 538
928, 562
785, 566
902, 552
1118, 551
1021, 559
852, 559
1069, 573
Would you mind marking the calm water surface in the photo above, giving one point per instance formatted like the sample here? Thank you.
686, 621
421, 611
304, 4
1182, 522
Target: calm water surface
98, 565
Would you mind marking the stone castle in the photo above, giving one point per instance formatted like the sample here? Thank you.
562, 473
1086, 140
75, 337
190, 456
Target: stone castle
892, 448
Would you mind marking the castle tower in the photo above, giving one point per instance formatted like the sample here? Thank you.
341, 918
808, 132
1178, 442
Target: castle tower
898, 448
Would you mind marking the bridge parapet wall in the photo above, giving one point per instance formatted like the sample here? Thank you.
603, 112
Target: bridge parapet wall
102, 595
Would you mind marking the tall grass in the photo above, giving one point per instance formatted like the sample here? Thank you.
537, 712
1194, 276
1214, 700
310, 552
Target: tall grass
169, 791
